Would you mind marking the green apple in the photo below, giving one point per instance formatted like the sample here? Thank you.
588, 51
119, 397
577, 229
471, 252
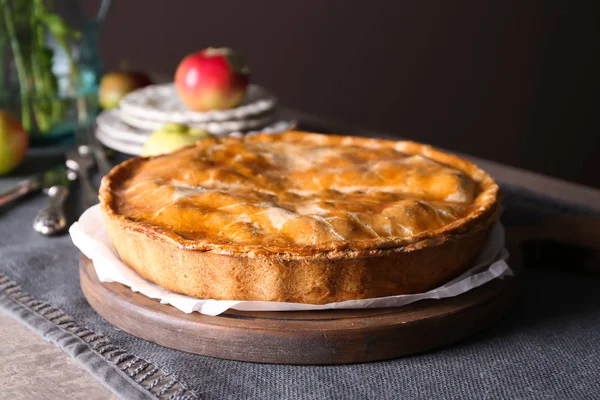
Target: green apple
172, 137
13, 142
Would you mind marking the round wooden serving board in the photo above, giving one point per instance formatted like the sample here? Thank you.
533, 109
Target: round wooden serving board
303, 337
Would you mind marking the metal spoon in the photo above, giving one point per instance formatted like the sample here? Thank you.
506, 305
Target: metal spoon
52, 220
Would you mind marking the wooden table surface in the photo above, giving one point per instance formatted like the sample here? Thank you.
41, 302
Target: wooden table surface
42, 371
31, 368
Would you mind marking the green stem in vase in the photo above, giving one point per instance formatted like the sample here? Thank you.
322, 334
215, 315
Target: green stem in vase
41, 103
19, 63
27, 24
61, 32
46, 103
3, 82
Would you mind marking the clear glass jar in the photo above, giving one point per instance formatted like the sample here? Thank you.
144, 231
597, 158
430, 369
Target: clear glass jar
50, 66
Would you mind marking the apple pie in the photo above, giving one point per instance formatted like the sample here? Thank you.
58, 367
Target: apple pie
299, 217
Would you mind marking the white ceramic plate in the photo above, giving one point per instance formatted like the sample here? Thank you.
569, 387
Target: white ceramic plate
119, 145
116, 118
161, 103
121, 141
112, 123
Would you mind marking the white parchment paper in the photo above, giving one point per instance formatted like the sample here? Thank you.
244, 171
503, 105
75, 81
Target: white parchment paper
89, 235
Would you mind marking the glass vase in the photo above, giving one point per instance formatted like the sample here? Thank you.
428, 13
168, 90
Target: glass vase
50, 67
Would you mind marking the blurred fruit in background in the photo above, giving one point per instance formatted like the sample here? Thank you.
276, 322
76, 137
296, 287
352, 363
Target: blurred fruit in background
212, 79
115, 85
172, 137
13, 142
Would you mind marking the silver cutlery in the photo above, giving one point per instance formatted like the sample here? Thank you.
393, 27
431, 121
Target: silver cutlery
52, 220
82, 164
33, 184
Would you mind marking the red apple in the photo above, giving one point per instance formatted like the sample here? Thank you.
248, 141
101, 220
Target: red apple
13, 142
212, 79
115, 85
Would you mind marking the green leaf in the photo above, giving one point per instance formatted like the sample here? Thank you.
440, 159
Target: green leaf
238, 63
59, 28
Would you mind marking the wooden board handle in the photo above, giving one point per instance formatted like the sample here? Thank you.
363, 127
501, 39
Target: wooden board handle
573, 234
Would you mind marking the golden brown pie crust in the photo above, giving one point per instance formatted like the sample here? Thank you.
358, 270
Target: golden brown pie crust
392, 218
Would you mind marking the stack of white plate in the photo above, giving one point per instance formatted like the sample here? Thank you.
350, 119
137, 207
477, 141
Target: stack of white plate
143, 111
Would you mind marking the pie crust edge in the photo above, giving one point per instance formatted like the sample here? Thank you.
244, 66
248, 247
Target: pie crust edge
314, 277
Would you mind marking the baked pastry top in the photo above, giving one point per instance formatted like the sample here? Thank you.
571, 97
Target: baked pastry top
299, 217
299, 191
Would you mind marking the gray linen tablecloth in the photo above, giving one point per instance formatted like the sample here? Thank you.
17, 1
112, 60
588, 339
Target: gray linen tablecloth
548, 347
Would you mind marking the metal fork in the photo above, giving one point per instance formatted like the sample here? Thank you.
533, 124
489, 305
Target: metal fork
82, 164
96, 151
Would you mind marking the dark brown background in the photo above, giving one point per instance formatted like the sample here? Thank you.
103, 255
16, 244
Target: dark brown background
509, 80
